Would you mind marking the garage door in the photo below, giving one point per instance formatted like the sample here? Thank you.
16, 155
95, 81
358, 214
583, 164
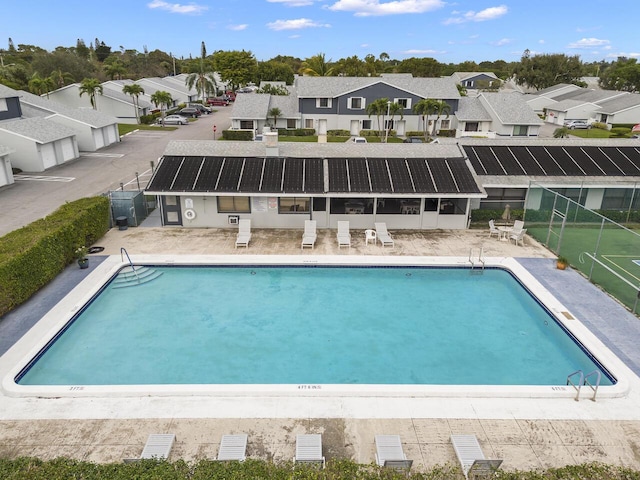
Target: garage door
111, 134
48, 155
98, 138
68, 150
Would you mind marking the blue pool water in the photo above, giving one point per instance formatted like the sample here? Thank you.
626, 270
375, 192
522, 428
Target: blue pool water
313, 325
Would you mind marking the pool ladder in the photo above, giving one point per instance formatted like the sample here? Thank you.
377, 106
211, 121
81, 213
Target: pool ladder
584, 380
476, 260
123, 252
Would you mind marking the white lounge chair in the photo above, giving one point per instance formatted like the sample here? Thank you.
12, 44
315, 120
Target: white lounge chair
309, 236
493, 230
244, 233
471, 458
389, 452
383, 235
158, 446
233, 447
518, 225
309, 449
518, 236
344, 237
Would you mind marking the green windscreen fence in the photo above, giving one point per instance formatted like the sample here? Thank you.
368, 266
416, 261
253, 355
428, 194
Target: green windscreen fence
605, 251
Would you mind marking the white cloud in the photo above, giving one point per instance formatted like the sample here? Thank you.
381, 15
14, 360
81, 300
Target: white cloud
238, 28
295, 36
296, 24
490, 13
369, 8
293, 3
415, 51
501, 42
623, 54
588, 43
541, 42
192, 8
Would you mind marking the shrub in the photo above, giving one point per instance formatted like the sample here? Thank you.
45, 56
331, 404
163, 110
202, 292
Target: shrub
32, 256
447, 133
338, 133
620, 132
600, 125
297, 132
148, 119
241, 135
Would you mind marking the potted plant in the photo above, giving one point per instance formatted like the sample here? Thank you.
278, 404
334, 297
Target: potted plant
562, 262
81, 255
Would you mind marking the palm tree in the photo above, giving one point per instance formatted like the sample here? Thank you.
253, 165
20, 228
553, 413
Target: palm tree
135, 91
60, 78
163, 100
439, 108
39, 85
316, 66
423, 108
275, 112
203, 81
393, 109
115, 69
378, 107
91, 86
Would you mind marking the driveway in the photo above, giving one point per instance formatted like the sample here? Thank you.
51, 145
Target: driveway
35, 195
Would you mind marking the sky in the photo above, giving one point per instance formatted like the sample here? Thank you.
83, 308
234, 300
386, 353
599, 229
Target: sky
450, 32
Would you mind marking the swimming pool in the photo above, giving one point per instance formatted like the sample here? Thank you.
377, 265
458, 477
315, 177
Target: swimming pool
377, 332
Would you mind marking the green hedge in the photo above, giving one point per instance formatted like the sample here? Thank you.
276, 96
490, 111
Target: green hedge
338, 133
32, 256
242, 135
296, 132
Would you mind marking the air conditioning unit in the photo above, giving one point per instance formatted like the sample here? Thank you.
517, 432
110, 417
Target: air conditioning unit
234, 219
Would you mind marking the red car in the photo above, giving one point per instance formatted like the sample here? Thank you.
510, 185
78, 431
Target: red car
217, 102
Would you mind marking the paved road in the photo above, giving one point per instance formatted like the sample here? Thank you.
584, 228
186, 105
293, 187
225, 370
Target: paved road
36, 195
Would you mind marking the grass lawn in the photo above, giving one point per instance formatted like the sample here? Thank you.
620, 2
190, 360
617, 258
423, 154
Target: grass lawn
592, 133
314, 139
128, 128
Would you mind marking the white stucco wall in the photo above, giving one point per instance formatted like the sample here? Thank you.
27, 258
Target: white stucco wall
6, 175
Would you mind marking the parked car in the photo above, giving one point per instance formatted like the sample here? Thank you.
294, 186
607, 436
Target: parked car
200, 107
229, 96
413, 140
174, 120
189, 112
573, 124
359, 140
217, 102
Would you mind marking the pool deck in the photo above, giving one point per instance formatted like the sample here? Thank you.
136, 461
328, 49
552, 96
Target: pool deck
527, 433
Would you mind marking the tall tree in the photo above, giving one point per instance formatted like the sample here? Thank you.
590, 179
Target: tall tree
423, 108
91, 86
420, 67
135, 91
542, 71
39, 85
439, 108
114, 69
378, 108
274, 113
163, 100
272, 71
60, 78
624, 74
393, 109
203, 80
317, 66
235, 67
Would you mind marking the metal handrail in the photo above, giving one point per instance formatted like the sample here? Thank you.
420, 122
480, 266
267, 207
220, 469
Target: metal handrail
480, 257
123, 251
597, 384
579, 384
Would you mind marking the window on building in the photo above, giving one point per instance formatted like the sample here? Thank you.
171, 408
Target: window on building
308, 123
620, 198
388, 124
323, 102
520, 131
291, 123
319, 204
576, 194
398, 206
293, 205
430, 204
366, 124
445, 124
355, 103
403, 102
351, 206
471, 127
453, 206
3, 105
234, 205
499, 198
246, 124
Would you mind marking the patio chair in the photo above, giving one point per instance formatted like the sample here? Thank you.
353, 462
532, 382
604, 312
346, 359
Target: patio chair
493, 230
309, 449
233, 447
518, 236
383, 235
309, 236
244, 233
343, 235
389, 452
370, 235
471, 457
158, 446
518, 225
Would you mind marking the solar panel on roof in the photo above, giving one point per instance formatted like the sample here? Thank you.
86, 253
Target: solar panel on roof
338, 181
421, 175
562, 158
313, 175
508, 161
546, 161
379, 174
624, 163
441, 175
592, 161
475, 161
463, 177
400, 175
489, 162
230, 175
358, 175
293, 174
251, 175
527, 161
209, 173
187, 174
632, 154
165, 174
273, 175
